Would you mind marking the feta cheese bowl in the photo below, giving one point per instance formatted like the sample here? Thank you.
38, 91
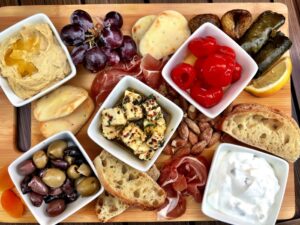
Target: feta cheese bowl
245, 186
135, 123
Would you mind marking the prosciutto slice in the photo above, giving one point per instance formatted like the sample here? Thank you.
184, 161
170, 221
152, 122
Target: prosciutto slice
184, 176
146, 69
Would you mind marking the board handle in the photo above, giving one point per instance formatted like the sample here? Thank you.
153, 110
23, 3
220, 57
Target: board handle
23, 134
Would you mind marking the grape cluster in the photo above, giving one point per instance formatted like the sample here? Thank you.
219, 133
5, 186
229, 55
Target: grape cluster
96, 46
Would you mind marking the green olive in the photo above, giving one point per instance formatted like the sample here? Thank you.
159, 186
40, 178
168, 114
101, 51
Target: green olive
78, 180
88, 186
84, 170
69, 159
54, 177
72, 172
56, 149
40, 159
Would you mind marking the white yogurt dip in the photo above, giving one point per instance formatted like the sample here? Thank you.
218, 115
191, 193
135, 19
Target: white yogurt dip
245, 187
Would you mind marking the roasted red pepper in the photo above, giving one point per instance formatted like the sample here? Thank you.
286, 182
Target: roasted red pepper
206, 97
183, 75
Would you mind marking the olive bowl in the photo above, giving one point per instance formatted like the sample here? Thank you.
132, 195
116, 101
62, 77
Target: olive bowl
40, 212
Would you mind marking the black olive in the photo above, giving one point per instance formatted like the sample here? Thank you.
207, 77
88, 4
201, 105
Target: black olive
56, 207
73, 151
56, 191
24, 185
71, 197
79, 161
68, 186
37, 185
59, 163
50, 198
36, 199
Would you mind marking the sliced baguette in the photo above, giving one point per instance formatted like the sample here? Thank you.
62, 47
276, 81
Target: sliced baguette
265, 128
131, 186
109, 206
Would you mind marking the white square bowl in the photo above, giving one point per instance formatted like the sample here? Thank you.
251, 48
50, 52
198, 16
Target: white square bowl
39, 212
119, 151
35, 19
248, 64
281, 169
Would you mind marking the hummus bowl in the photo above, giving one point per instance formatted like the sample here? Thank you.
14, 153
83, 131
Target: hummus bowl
13, 30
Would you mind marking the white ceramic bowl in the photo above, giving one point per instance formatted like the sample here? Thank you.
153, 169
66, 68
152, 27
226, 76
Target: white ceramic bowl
281, 169
39, 212
242, 57
37, 18
119, 151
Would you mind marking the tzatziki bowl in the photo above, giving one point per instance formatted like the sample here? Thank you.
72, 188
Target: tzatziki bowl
245, 186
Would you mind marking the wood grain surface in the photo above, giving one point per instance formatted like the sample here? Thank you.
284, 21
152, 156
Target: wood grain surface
60, 16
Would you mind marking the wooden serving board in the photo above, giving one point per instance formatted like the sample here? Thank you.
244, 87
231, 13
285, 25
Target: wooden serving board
131, 12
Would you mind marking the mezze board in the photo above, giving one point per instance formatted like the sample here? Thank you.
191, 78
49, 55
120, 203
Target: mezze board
130, 12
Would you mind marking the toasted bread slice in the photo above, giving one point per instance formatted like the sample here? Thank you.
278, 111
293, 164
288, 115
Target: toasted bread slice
130, 185
109, 206
265, 128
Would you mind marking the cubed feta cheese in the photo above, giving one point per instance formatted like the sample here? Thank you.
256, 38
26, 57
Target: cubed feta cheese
110, 132
147, 155
133, 136
113, 117
155, 141
132, 97
133, 112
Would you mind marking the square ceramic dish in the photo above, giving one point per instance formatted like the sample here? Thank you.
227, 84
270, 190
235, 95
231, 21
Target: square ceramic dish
280, 167
39, 212
248, 64
37, 18
120, 151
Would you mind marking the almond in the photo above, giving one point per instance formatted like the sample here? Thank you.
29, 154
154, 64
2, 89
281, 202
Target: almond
202, 118
168, 150
198, 148
192, 125
178, 142
183, 103
203, 125
214, 139
193, 138
183, 151
183, 131
192, 112
206, 135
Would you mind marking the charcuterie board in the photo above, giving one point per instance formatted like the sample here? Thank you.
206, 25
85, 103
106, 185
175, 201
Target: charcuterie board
131, 12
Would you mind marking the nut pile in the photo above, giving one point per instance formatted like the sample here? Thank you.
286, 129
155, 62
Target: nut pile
195, 133
57, 176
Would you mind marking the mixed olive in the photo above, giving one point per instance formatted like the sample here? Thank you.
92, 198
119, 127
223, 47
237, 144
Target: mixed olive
57, 176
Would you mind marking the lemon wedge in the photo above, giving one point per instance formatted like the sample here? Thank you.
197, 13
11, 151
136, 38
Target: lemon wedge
272, 80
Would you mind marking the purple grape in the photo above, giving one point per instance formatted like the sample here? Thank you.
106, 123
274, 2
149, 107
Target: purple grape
94, 59
112, 37
113, 57
113, 19
83, 19
78, 53
128, 48
72, 34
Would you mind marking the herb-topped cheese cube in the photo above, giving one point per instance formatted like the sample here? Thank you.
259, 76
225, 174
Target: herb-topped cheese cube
132, 97
147, 155
133, 112
152, 109
133, 136
113, 117
111, 132
156, 140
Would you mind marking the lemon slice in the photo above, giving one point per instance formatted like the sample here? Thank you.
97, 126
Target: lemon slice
272, 80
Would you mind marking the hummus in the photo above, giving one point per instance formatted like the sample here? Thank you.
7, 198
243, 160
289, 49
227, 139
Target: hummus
32, 60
